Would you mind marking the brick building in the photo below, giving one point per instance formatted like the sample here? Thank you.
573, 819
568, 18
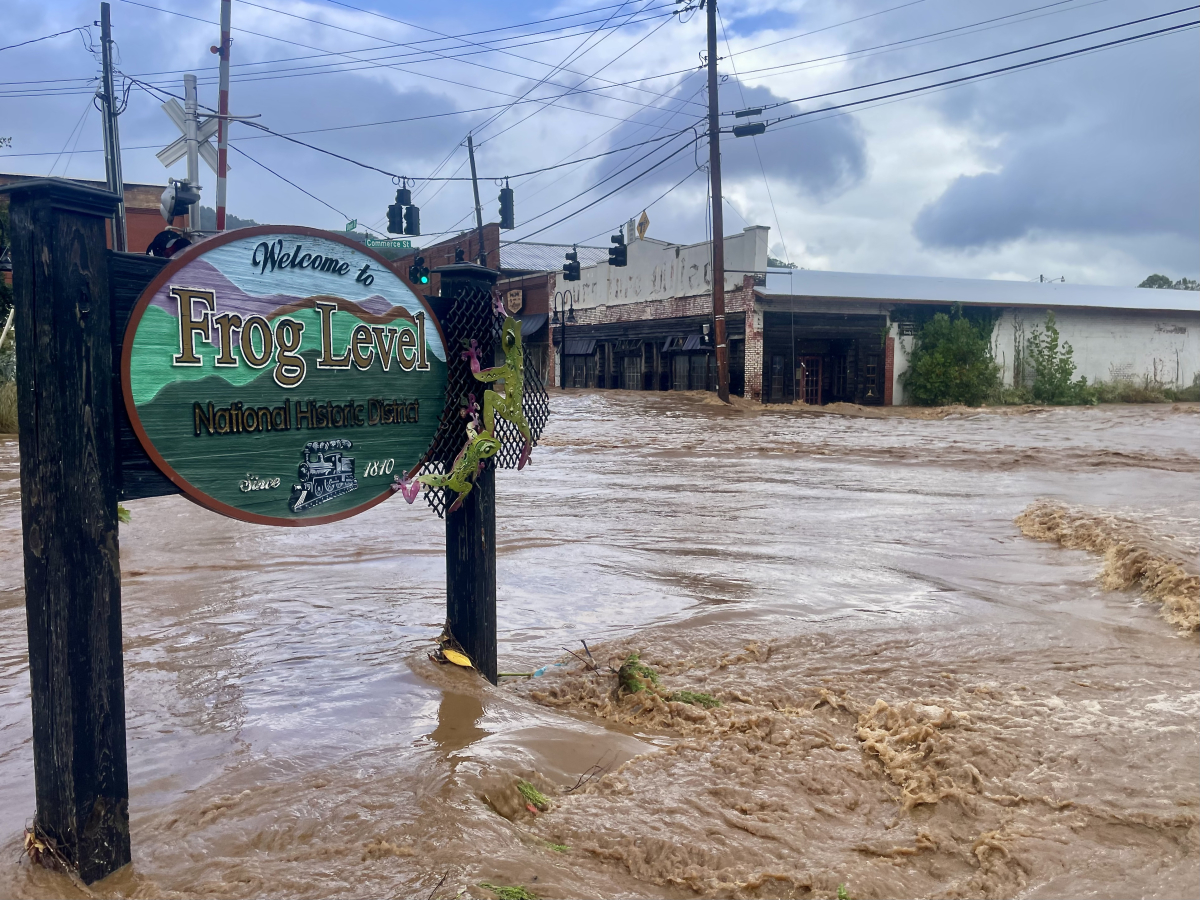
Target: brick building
142, 217
526, 280
648, 325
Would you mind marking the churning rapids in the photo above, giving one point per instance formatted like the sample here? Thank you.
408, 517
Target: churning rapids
917, 698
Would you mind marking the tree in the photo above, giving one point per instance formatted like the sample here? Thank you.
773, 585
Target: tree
1162, 282
952, 361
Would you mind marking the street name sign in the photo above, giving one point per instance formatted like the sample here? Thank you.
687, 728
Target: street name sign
388, 244
283, 375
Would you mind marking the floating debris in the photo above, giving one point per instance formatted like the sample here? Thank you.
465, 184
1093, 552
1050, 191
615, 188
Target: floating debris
634, 676
509, 892
708, 701
533, 796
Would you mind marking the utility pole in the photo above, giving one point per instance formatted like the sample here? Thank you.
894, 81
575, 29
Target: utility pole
223, 122
718, 225
191, 134
478, 208
112, 138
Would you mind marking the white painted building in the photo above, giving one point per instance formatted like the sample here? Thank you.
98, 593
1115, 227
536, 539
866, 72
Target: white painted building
839, 336
1116, 333
658, 270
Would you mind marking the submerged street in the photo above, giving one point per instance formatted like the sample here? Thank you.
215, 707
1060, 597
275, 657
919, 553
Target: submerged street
916, 698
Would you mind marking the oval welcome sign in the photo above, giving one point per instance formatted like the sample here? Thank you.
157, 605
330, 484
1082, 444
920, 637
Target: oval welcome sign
283, 375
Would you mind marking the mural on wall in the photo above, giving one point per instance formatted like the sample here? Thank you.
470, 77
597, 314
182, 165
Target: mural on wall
283, 375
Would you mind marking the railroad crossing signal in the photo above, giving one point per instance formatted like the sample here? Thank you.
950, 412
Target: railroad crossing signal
177, 149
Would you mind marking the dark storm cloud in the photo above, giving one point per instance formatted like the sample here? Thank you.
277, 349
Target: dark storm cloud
1104, 145
821, 160
1093, 180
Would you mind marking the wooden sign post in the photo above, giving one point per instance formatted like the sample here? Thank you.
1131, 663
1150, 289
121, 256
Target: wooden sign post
471, 529
69, 520
282, 376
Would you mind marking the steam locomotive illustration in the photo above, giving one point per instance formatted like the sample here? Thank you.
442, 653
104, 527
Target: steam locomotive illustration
325, 473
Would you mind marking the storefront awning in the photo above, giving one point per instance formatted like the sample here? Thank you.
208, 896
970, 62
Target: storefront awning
532, 323
694, 342
579, 347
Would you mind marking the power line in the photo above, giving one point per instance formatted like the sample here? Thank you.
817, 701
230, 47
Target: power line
664, 122
292, 183
836, 25
347, 54
359, 163
640, 175
754, 139
573, 55
436, 53
981, 59
649, 205
931, 37
978, 75
648, 34
82, 29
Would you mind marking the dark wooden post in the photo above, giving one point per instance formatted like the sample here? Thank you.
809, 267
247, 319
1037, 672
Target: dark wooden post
69, 517
471, 530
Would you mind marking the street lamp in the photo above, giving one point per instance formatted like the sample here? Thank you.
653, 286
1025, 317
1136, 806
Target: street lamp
564, 312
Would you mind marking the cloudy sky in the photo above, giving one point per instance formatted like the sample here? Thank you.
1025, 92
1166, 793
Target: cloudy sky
1086, 167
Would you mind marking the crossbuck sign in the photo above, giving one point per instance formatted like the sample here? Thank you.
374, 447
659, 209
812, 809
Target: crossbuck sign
177, 149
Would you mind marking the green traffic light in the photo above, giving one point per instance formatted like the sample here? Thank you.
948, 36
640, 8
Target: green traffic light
424, 279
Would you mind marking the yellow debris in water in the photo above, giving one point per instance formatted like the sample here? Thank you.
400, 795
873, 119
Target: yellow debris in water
459, 659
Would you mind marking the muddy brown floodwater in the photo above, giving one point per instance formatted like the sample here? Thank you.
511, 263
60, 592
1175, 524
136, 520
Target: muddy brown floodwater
916, 699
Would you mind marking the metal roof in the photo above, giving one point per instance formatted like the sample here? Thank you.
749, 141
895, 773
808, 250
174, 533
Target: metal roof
530, 257
971, 291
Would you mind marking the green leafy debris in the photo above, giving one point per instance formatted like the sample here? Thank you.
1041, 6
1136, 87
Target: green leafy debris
533, 795
509, 892
708, 701
558, 848
635, 676
842, 893
123, 514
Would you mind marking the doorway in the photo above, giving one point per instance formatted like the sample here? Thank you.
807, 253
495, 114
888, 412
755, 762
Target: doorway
810, 379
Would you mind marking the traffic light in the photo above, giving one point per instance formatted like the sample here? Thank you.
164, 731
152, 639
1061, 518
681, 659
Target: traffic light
412, 220
418, 273
395, 219
403, 197
618, 255
508, 218
571, 266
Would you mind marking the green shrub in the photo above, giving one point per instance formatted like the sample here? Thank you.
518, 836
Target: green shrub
952, 362
1054, 368
1191, 393
1149, 391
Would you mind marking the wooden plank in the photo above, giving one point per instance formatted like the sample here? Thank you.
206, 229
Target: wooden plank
69, 520
138, 477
